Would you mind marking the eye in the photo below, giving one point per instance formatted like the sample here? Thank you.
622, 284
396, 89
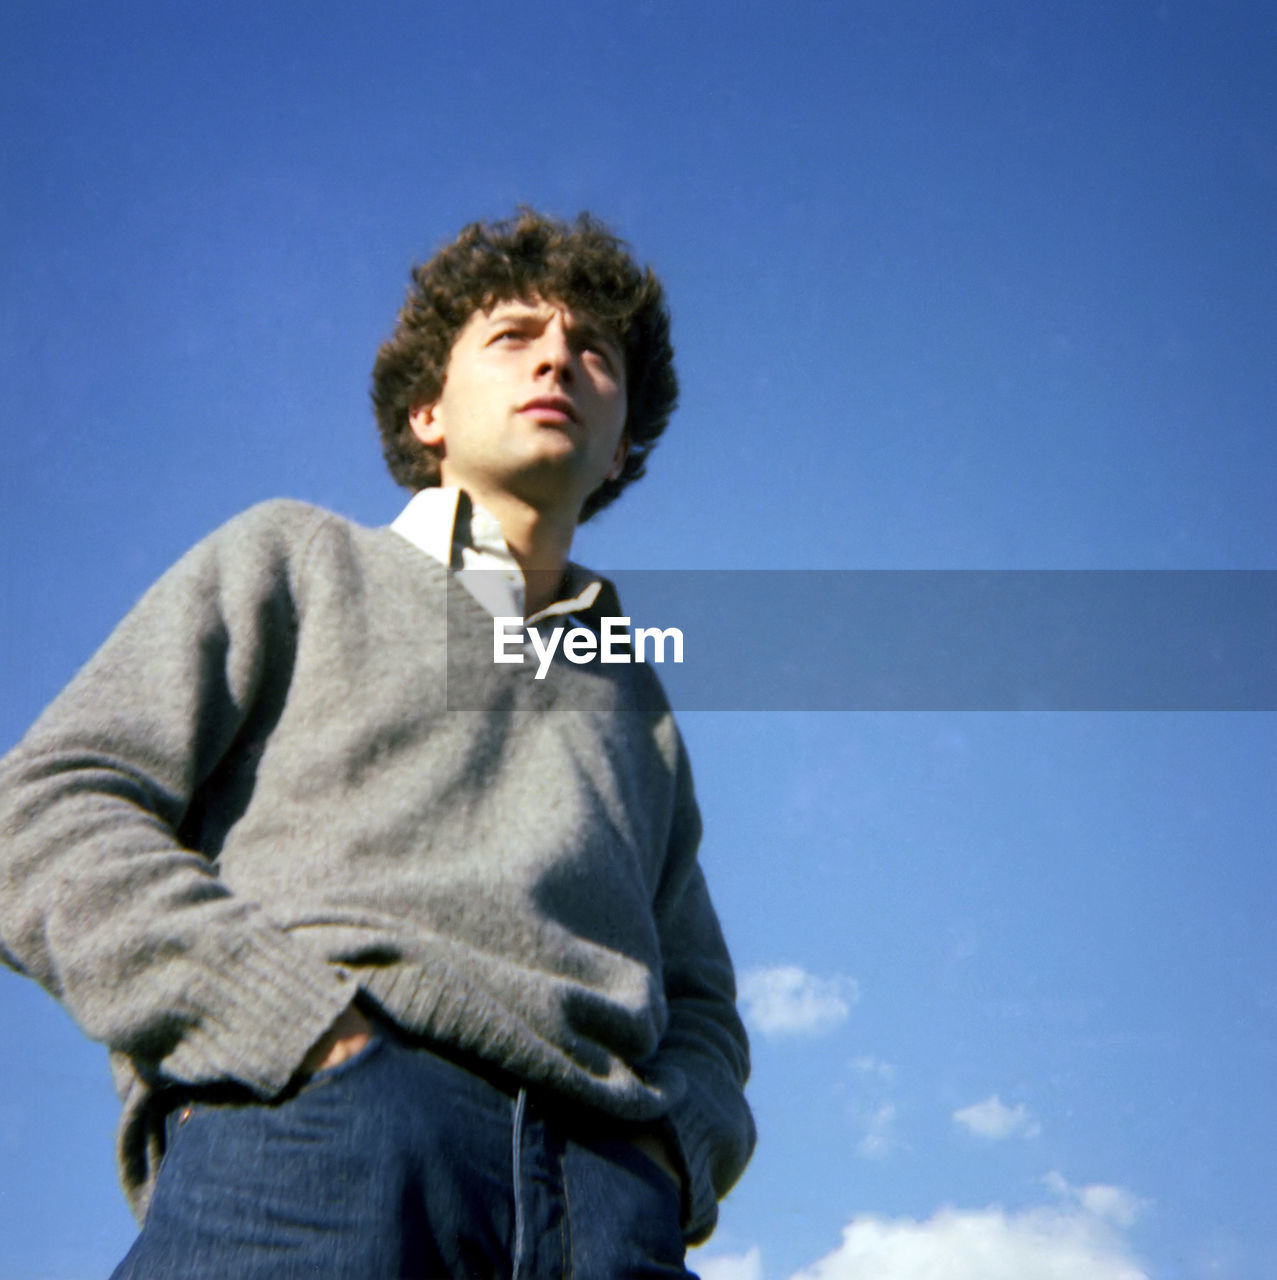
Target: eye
602, 352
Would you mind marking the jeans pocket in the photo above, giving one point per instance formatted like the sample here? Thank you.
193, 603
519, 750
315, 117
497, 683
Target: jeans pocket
228, 1098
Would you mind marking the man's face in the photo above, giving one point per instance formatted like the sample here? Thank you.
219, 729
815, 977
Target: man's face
533, 405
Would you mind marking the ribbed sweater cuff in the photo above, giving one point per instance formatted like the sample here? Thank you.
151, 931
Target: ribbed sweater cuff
260, 1013
696, 1142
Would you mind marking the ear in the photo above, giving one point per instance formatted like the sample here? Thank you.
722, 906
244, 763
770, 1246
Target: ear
426, 424
618, 460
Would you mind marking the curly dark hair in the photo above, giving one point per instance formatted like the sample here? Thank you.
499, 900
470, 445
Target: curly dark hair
581, 265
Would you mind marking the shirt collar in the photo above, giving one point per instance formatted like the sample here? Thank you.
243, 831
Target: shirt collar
427, 522
465, 537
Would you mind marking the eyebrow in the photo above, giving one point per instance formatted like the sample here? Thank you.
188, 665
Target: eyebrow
514, 311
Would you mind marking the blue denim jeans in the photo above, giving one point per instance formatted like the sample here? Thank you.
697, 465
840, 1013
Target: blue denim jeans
400, 1164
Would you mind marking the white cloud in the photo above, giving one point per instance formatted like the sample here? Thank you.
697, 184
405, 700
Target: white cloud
880, 1131
869, 1066
1077, 1238
787, 1000
992, 1118
1075, 1242
871, 1109
1100, 1201
744, 1266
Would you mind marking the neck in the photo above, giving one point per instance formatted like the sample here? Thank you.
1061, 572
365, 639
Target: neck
539, 541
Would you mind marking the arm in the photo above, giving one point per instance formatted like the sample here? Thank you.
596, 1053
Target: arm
704, 1049
100, 900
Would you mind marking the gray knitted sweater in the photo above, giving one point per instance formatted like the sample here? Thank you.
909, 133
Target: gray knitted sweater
294, 773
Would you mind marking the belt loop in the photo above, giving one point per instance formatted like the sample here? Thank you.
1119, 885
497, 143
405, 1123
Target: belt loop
520, 1105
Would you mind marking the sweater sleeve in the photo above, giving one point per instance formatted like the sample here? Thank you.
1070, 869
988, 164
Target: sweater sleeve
704, 1049
100, 901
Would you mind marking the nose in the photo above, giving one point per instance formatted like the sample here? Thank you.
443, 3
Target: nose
554, 352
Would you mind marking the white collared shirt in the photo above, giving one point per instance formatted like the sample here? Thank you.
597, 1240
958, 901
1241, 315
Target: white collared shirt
476, 550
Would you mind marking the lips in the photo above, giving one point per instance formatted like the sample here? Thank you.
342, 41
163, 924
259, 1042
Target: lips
557, 408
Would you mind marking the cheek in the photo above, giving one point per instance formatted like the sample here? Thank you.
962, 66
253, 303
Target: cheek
613, 395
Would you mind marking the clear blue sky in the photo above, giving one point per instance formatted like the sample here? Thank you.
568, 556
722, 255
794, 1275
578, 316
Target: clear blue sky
955, 285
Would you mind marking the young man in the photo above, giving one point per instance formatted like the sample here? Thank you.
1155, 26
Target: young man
406, 966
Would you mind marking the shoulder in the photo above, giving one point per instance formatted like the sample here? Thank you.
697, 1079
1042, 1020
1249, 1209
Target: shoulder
280, 532
309, 553
264, 550
285, 521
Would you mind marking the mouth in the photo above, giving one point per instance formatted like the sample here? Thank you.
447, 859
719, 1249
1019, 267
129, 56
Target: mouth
552, 409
